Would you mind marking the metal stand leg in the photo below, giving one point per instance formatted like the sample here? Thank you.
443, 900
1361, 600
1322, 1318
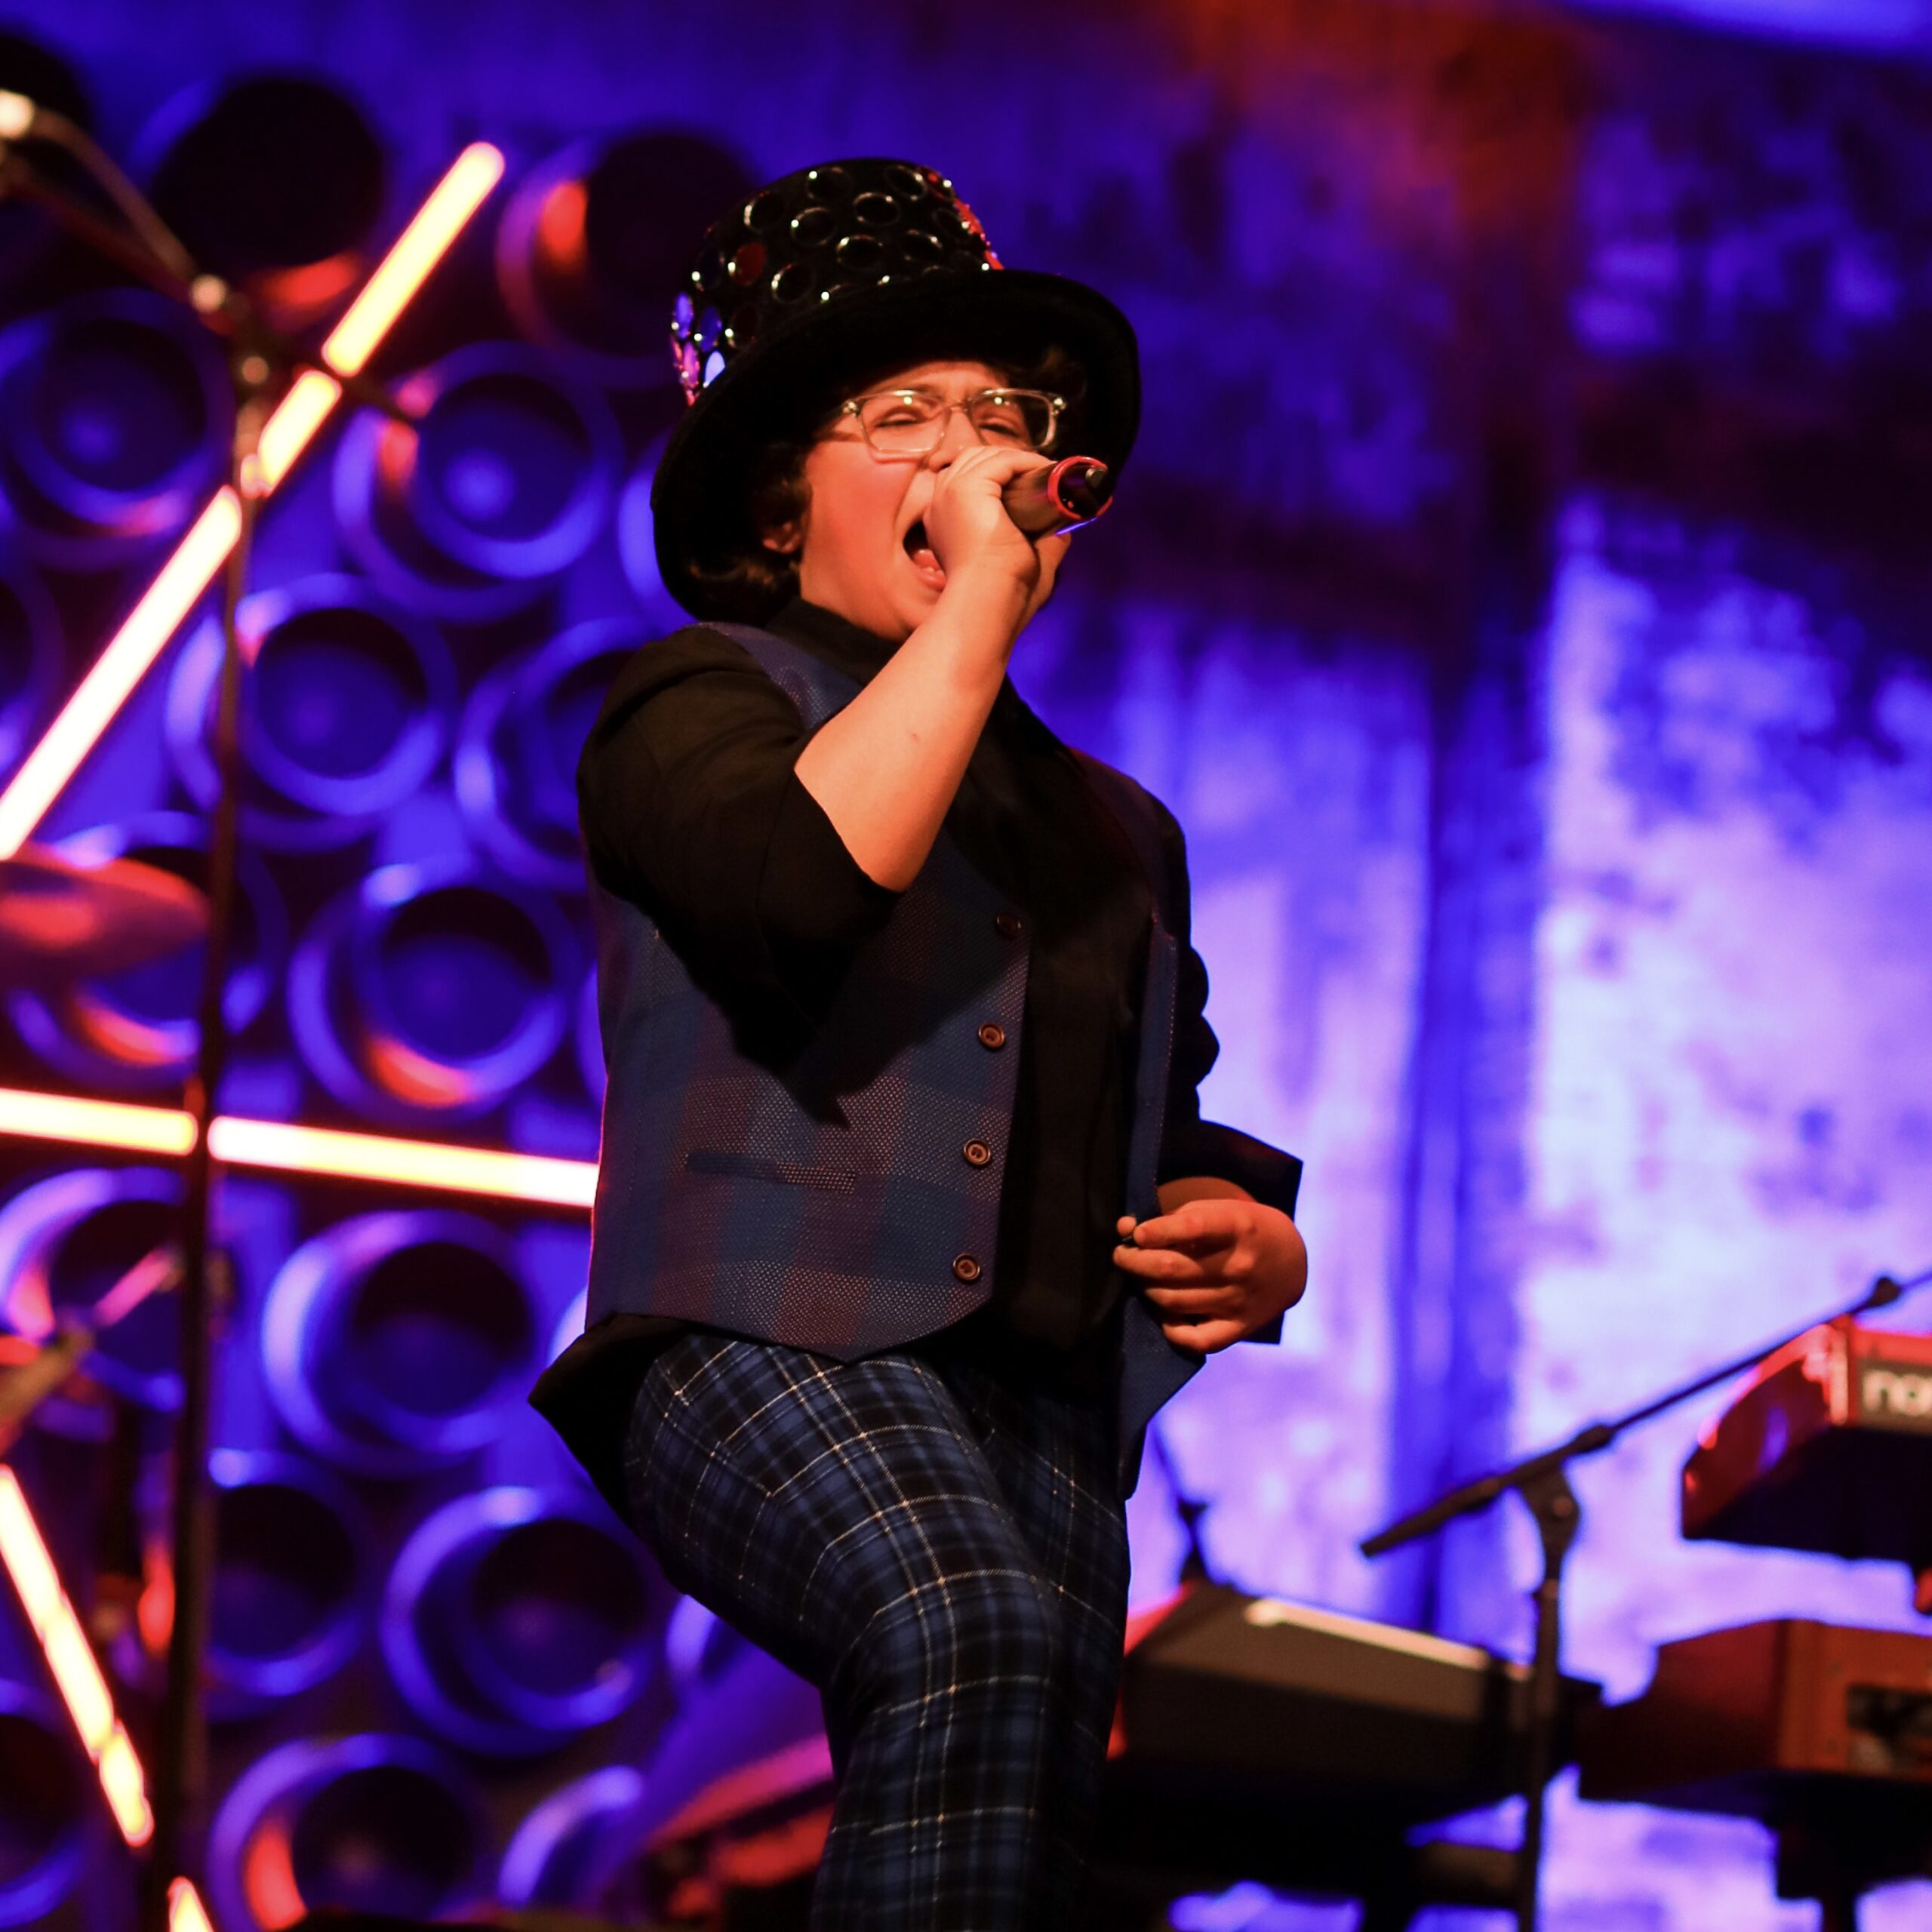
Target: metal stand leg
1553, 1503
181, 1769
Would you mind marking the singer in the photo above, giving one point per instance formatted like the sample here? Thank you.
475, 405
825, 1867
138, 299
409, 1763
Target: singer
906, 1219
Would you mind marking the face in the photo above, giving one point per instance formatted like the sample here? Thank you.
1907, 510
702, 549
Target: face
852, 541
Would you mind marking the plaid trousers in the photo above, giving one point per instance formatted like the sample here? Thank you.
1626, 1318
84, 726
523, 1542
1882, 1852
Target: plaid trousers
933, 1537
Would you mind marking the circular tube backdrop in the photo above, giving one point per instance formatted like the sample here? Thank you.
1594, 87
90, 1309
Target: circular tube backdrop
515, 1618
434, 989
274, 181
347, 711
636, 541
503, 481
137, 1027
396, 1343
30, 653
371, 1823
114, 416
593, 238
64, 1242
555, 1853
293, 1594
47, 1799
515, 764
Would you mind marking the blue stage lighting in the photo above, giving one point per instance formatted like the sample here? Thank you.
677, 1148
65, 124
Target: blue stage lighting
397, 1343
349, 707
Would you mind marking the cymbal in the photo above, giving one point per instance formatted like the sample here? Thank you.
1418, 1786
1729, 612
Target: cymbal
59, 921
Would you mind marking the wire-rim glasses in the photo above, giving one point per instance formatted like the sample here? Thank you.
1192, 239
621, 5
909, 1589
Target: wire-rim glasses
904, 423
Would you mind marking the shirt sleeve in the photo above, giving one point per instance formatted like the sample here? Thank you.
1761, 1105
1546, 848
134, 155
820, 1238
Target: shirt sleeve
1190, 1145
691, 807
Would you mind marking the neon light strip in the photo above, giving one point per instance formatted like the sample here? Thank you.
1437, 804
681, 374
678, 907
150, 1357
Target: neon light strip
118, 670
71, 1661
133, 1130
418, 249
274, 1147
186, 1912
296, 422
280, 1149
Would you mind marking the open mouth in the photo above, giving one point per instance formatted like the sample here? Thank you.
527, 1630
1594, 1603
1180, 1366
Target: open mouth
920, 551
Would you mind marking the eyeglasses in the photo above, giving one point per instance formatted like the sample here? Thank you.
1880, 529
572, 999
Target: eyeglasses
912, 422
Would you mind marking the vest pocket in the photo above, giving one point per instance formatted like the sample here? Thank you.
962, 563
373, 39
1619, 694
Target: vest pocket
763, 1167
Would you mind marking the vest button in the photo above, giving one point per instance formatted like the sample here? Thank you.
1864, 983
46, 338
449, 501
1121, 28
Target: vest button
1007, 925
993, 1036
966, 1267
978, 1154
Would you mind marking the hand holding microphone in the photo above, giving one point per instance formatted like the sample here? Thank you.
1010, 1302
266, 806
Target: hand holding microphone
1067, 496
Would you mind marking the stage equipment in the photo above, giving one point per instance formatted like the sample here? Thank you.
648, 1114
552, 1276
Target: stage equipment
38, 1377
136, 1026
587, 260
264, 443
431, 989
274, 1146
1829, 1447
395, 1344
186, 1912
30, 648
289, 429
1822, 1733
62, 920
70, 1660
44, 1807
515, 764
499, 481
292, 1596
1543, 1482
273, 182
69, 1247
369, 1823
547, 1861
117, 413
350, 704
1257, 1739
515, 1618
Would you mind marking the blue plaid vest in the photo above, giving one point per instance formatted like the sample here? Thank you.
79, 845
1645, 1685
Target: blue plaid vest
827, 1203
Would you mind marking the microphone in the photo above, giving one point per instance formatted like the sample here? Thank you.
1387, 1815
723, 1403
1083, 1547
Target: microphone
1049, 503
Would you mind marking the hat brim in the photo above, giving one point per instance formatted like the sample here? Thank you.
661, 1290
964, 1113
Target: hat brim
697, 499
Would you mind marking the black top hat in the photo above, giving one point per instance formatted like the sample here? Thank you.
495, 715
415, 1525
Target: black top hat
829, 272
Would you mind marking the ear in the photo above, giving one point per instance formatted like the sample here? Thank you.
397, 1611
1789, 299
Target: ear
786, 538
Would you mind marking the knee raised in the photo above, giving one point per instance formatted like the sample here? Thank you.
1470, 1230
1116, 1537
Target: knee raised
991, 1632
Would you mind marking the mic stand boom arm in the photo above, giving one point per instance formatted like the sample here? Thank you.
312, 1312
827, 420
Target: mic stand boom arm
148, 249
1543, 1482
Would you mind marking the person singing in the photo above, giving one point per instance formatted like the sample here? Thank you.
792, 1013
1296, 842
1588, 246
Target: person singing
907, 1221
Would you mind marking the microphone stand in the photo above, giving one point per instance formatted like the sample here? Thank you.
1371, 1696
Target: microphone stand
207, 1285
260, 360
1543, 1482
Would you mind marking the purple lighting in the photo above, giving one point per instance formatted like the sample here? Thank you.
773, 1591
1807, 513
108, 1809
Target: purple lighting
1517, 593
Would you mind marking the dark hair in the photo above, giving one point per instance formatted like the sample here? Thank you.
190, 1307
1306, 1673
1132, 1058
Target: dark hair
744, 578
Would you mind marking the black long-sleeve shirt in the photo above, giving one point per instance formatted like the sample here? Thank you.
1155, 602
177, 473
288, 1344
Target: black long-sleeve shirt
691, 807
